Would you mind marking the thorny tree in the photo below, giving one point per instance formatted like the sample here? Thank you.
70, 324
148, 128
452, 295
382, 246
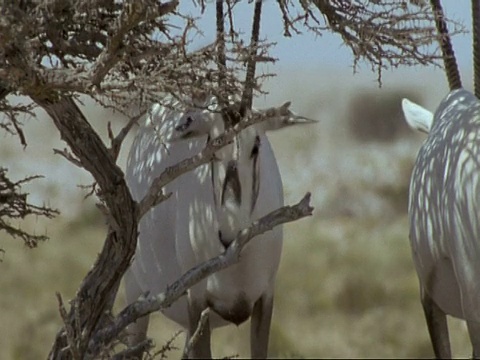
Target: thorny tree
126, 55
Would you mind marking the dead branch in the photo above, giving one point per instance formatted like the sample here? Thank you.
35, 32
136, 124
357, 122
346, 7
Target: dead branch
14, 205
117, 141
375, 35
168, 346
70, 333
157, 302
134, 351
132, 14
68, 156
94, 297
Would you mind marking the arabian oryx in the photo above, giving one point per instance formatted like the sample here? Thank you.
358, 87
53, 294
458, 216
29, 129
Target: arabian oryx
207, 208
444, 212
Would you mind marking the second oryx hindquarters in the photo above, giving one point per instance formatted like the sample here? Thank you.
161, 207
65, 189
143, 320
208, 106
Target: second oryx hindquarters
444, 209
207, 208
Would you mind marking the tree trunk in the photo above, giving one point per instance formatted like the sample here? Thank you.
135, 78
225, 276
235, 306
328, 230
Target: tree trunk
97, 292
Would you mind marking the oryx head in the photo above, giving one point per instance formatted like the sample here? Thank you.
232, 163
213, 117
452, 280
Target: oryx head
236, 173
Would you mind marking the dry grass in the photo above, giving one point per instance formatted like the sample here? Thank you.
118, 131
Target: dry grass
346, 288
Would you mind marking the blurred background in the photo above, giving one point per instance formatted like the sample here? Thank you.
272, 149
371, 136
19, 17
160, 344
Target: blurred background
346, 285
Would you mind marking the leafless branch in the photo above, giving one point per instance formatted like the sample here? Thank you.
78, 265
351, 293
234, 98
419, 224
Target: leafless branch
384, 33
231, 255
132, 14
70, 333
68, 156
14, 206
116, 142
168, 346
134, 351
288, 23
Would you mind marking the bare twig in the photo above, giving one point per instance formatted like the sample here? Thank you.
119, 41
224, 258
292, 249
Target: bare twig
134, 351
287, 22
133, 13
70, 333
166, 347
116, 142
68, 155
14, 205
374, 35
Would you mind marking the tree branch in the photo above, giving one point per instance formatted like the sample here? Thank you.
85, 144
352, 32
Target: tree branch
133, 13
151, 303
14, 205
116, 142
101, 283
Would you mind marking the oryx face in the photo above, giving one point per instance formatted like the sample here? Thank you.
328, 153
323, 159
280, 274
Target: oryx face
236, 183
234, 174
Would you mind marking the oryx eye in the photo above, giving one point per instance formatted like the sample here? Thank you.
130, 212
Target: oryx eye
256, 147
185, 126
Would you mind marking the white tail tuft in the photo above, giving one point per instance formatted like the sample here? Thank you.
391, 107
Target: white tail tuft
417, 117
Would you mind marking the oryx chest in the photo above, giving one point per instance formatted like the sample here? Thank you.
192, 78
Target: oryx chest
202, 219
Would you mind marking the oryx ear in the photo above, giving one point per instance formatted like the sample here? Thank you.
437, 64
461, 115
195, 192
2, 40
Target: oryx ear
282, 117
417, 117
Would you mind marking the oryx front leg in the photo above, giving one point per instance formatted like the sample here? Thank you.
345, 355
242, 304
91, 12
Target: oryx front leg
474, 332
197, 343
260, 326
437, 327
136, 331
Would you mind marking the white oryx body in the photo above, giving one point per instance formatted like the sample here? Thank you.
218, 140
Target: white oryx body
208, 206
444, 212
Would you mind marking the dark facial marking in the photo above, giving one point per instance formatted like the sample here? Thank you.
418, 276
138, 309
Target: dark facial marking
225, 242
185, 126
232, 182
255, 172
256, 147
